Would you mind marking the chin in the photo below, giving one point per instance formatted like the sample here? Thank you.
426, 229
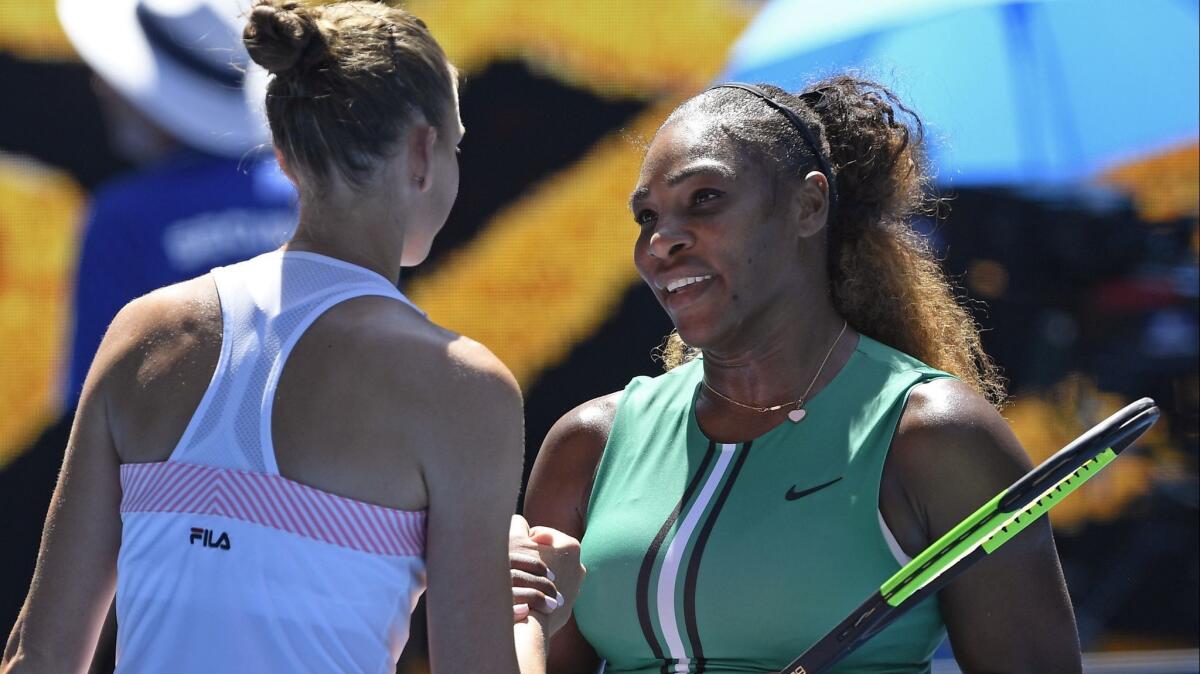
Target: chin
695, 333
407, 260
414, 255
707, 330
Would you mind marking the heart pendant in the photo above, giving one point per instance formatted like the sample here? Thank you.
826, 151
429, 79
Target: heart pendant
797, 415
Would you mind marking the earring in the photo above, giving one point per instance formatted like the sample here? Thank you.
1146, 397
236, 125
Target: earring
419, 180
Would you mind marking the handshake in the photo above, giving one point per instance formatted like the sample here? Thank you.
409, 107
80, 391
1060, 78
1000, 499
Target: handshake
546, 572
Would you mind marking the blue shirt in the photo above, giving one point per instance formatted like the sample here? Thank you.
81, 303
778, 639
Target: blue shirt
168, 223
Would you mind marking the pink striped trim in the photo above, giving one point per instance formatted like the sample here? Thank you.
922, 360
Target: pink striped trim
272, 501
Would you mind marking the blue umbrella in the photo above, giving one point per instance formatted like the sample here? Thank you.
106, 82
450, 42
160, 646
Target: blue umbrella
1013, 91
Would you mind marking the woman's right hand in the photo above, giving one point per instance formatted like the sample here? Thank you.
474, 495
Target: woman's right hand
561, 553
546, 572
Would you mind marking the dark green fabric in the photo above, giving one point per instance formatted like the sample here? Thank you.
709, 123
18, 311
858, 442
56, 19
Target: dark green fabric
741, 574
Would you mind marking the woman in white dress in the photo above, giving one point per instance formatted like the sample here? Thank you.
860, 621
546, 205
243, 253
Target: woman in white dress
270, 462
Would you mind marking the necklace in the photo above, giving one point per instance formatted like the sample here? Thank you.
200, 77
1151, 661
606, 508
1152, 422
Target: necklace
798, 413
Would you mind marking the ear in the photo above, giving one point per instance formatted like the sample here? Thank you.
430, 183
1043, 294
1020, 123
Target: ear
422, 139
812, 201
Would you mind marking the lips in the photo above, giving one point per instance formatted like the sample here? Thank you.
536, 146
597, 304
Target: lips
680, 283
679, 291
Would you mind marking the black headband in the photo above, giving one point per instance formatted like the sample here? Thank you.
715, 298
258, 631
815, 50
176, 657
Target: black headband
805, 132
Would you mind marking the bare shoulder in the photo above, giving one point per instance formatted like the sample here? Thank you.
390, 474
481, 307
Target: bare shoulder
392, 340
471, 378
952, 451
442, 392
153, 336
561, 483
182, 311
153, 366
583, 430
948, 422
472, 364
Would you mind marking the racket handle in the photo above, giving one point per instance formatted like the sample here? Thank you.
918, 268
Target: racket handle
841, 639
870, 618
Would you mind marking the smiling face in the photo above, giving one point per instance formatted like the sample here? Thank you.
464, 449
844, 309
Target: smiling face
727, 252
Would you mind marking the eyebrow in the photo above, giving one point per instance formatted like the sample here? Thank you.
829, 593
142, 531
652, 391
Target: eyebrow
683, 174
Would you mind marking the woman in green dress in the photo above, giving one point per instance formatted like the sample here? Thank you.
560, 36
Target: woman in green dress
827, 412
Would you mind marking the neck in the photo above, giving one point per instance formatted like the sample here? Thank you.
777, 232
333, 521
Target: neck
365, 231
780, 366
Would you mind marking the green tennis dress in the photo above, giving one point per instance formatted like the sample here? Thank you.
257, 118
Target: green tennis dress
714, 557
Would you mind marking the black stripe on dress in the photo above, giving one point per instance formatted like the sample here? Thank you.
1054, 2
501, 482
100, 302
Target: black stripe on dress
643, 582
693, 569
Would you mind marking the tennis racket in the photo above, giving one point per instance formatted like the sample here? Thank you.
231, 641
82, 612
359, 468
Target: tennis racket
981, 534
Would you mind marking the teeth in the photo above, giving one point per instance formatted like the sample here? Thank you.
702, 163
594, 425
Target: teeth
686, 281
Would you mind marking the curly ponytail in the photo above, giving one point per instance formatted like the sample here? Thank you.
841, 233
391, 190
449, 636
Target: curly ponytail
884, 278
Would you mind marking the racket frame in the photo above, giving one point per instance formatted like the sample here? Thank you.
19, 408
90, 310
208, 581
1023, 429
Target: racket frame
981, 533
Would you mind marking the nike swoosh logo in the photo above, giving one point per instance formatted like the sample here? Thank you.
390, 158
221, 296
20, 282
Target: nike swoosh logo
792, 494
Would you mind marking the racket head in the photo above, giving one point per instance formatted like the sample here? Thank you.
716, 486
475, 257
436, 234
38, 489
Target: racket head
964, 543
1116, 432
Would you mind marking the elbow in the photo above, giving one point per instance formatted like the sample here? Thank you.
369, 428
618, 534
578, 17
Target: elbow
16, 663
19, 659
21, 663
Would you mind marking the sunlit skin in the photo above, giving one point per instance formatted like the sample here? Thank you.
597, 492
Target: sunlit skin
766, 310
446, 172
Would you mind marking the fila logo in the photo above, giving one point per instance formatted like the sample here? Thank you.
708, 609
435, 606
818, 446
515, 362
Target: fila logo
205, 536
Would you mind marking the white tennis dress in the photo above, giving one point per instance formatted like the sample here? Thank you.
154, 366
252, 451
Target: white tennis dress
227, 566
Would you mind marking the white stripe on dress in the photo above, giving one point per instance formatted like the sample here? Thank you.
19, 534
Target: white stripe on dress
669, 576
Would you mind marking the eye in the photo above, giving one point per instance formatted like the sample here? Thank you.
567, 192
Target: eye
645, 217
705, 196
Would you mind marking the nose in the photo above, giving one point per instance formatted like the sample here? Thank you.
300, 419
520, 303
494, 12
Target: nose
668, 241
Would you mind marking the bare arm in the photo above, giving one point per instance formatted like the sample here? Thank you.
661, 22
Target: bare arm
952, 453
557, 496
75, 577
472, 472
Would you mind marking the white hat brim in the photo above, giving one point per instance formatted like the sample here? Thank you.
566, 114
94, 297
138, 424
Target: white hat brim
206, 114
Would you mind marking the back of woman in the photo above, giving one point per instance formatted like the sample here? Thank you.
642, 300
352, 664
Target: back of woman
227, 540
271, 462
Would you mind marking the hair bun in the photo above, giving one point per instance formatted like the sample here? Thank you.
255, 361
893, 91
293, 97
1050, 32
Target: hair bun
281, 35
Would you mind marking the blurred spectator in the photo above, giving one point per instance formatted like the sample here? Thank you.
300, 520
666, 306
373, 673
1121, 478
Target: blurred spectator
170, 77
